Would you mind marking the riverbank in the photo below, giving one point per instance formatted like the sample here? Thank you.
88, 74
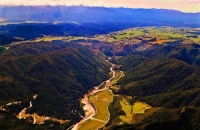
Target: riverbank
96, 104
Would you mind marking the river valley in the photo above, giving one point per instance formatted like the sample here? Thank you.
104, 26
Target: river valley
96, 104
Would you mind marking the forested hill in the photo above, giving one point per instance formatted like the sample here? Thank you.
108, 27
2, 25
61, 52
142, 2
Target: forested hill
168, 76
118, 16
59, 73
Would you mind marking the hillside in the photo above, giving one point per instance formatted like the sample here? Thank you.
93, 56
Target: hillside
59, 73
167, 79
166, 119
170, 74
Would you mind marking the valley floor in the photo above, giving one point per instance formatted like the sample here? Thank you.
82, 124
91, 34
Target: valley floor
96, 104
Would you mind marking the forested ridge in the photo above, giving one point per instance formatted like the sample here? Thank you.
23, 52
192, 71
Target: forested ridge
167, 78
59, 73
167, 119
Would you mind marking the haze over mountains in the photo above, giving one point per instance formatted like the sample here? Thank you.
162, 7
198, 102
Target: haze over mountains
81, 14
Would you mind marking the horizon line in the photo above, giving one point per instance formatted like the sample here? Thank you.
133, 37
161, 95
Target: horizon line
100, 6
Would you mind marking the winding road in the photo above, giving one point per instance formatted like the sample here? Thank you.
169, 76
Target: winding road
24, 111
89, 108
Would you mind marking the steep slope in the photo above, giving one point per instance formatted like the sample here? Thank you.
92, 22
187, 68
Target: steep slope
166, 119
167, 78
59, 73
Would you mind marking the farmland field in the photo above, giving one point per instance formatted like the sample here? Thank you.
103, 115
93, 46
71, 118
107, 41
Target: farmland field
132, 111
104, 97
154, 35
101, 101
91, 125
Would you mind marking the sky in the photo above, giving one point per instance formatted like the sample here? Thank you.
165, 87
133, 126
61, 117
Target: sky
182, 5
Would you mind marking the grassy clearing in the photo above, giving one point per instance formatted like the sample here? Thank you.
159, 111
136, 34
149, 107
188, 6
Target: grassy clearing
101, 101
127, 108
134, 113
140, 107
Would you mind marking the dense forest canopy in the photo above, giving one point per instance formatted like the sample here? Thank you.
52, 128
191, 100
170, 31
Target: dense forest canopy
59, 73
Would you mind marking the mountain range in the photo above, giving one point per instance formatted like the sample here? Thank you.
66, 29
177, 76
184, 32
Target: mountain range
81, 14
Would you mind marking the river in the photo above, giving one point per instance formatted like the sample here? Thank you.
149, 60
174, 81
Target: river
89, 108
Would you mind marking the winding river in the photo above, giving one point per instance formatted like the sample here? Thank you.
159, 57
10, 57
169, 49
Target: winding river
89, 108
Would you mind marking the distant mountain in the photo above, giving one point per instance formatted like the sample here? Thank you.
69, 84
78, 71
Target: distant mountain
83, 14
